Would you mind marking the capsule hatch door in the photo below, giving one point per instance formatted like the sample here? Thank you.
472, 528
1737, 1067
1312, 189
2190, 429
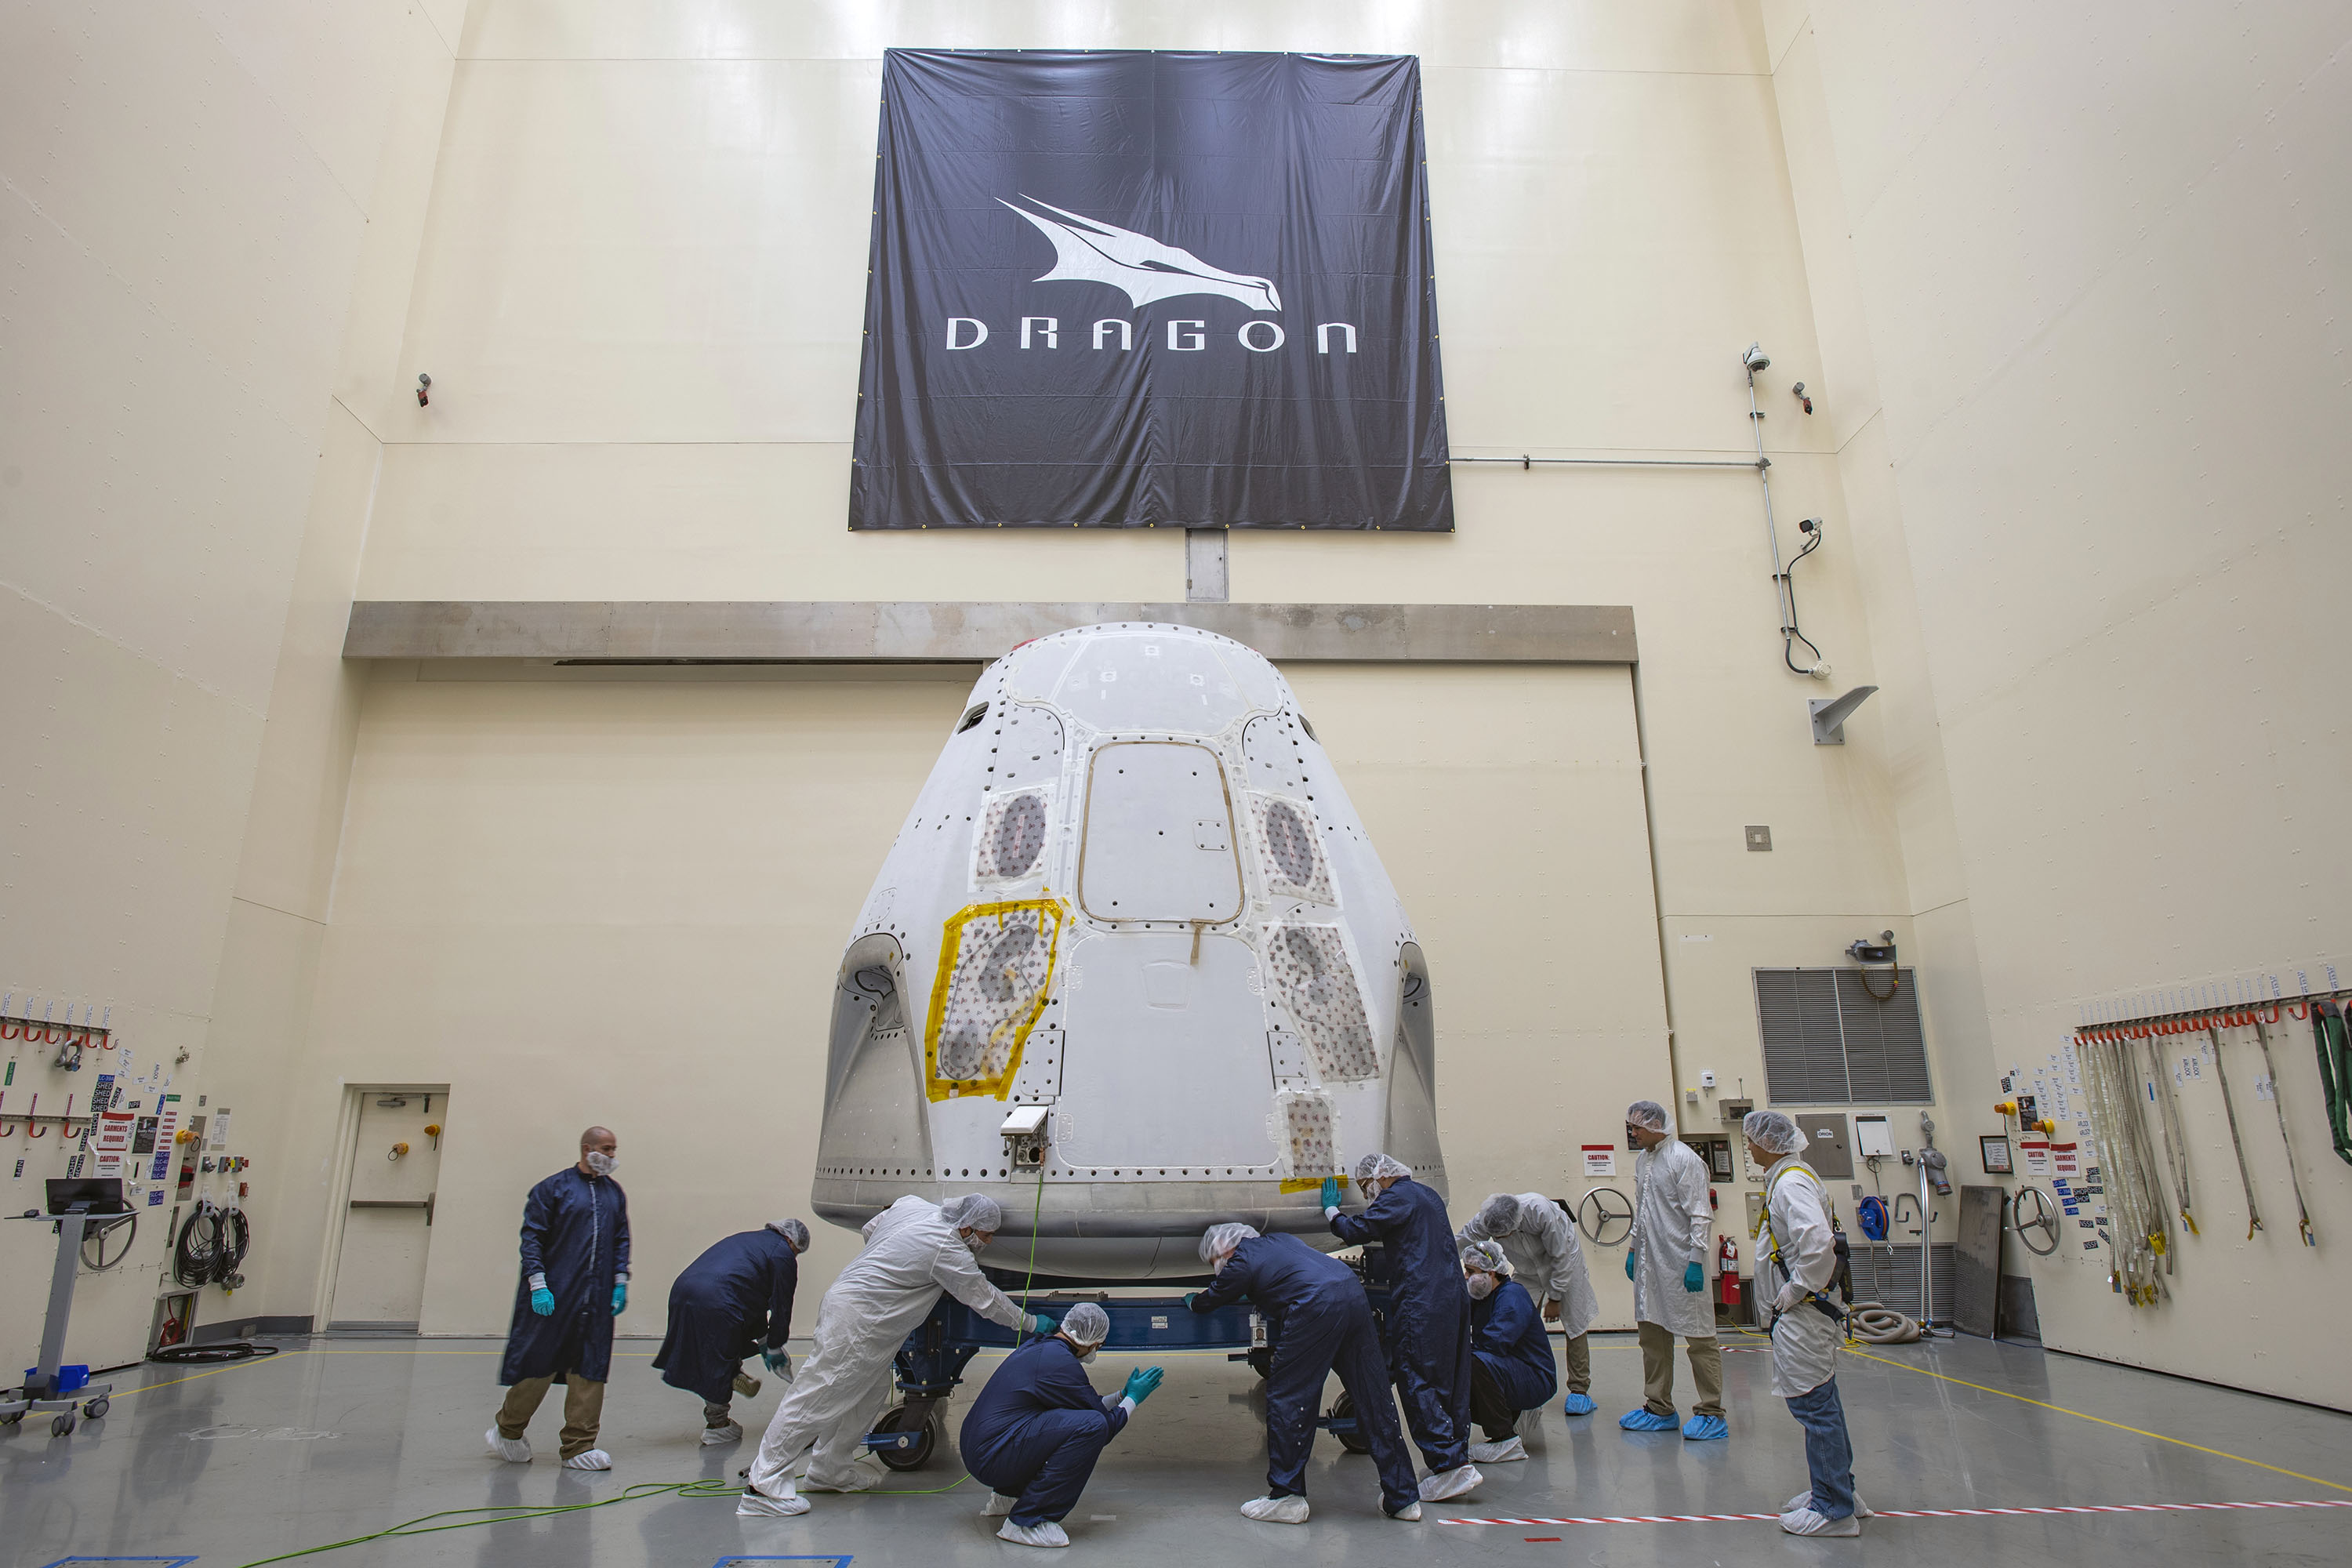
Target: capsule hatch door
1158, 844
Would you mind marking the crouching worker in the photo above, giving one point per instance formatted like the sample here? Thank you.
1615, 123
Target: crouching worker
1792, 1278
1511, 1359
1035, 1431
737, 1298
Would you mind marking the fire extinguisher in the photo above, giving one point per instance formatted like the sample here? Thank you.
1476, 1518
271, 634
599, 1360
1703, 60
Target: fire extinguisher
1727, 1260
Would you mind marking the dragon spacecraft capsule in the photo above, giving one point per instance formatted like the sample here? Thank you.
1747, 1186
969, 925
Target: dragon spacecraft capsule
1130, 968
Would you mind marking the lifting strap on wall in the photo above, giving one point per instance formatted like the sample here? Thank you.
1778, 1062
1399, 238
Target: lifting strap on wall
2327, 1032
2176, 1136
2278, 1103
2237, 1145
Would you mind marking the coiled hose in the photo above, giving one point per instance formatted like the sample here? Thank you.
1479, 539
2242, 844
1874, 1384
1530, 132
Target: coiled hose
1873, 1324
210, 1247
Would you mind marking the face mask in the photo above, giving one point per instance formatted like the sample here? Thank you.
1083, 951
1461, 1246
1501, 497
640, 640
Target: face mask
1089, 1356
973, 1240
601, 1162
1217, 1264
1481, 1287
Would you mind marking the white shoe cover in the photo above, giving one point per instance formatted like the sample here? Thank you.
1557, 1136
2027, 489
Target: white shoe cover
1805, 1499
593, 1460
718, 1436
1289, 1510
760, 1505
866, 1473
1509, 1451
1409, 1514
1453, 1483
1045, 1533
1805, 1521
997, 1506
514, 1451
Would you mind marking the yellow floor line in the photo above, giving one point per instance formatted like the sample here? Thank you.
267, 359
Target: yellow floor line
2102, 1420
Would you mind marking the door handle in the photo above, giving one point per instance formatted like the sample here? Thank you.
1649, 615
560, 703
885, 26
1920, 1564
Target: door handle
425, 1203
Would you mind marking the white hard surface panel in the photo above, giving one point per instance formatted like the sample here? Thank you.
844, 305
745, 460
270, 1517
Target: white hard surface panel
1192, 1062
1147, 802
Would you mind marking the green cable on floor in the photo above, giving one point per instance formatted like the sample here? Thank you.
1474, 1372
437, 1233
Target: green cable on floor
523, 1513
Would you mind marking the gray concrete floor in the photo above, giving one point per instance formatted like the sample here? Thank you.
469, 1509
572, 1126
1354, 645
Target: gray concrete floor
336, 1439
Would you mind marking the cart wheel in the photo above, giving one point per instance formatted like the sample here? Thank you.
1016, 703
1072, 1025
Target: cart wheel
1261, 1361
13, 1419
915, 1455
61, 1425
96, 1409
1344, 1409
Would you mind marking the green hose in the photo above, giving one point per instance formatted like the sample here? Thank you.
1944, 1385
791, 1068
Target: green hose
2327, 1032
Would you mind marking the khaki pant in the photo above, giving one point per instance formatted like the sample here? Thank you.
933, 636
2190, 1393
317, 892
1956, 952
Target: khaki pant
1658, 1371
1577, 1353
583, 1410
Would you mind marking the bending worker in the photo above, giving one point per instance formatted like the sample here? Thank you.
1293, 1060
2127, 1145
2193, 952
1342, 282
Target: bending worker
574, 1281
1327, 1327
1427, 1331
1035, 1431
737, 1298
914, 1249
1510, 1369
1671, 1219
1792, 1279
1547, 1260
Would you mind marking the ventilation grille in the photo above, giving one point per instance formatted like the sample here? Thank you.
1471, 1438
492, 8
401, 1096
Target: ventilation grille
1828, 1041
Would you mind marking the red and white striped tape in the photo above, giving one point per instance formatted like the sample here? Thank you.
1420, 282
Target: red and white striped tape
1920, 1512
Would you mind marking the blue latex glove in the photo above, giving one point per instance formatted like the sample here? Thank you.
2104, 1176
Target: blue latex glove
1694, 1280
620, 1300
1330, 1191
1041, 1324
1191, 1297
543, 1303
1629, 1263
779, 1362
1141, 1382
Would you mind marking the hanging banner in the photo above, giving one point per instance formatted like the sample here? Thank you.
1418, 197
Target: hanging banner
1126, 288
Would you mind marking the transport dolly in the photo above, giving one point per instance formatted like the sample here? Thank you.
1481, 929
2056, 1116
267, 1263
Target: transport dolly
931, 1363
79, 1209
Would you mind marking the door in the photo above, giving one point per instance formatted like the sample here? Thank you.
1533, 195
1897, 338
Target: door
388, 1219
1158, 841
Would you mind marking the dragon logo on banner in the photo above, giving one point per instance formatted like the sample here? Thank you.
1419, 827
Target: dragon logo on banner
1168, 389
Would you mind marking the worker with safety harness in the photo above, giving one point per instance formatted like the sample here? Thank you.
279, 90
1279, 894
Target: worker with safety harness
1796, 1264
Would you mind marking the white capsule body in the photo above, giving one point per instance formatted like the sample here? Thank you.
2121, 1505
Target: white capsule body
1133, 893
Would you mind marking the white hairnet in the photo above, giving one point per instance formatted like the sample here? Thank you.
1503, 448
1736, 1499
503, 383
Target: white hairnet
1379, 1168
973, 1211
1649, 1113
1086, 1323
1774, 1131
792, 1230
1499, 1214
1221, 1239
1487, 1258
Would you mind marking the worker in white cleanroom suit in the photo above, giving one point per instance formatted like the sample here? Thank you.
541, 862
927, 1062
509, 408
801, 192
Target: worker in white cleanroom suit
1673, 1221
1540, 1240
914, 1249
1793, 1282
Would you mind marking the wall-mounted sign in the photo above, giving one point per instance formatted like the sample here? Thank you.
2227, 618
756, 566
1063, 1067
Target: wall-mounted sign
1123, 289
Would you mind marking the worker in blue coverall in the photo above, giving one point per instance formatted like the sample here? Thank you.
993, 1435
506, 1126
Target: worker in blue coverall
1327, 1327
1426, 1331
574, 1281
1511, 1372
737, 1298
1035, 1431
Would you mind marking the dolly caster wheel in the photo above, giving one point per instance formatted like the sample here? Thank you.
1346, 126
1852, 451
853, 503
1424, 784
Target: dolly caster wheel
61, 1425
916, 1454
96, 1409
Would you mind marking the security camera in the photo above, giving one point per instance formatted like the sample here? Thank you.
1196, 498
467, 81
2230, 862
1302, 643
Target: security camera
1754, 359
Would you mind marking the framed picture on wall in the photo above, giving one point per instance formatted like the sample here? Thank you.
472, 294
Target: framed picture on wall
1992, 1147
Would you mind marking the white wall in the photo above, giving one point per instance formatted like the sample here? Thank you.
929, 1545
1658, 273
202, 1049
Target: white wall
2078, 275
205, 208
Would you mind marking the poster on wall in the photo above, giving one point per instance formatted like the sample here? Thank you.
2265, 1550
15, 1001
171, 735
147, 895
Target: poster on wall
1125, 289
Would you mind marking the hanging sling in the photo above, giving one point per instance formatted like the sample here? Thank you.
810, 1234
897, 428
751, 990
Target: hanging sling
2327, 1032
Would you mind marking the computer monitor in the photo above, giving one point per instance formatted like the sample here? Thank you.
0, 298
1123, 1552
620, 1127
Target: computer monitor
87, 1194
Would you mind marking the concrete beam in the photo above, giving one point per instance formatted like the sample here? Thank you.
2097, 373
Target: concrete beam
861, 632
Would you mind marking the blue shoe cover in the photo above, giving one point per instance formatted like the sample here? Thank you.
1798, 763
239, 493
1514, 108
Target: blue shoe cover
1640, 1419
1704, 1427
1578, 1405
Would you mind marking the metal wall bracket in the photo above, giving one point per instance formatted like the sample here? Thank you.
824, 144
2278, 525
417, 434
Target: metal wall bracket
1829, 717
